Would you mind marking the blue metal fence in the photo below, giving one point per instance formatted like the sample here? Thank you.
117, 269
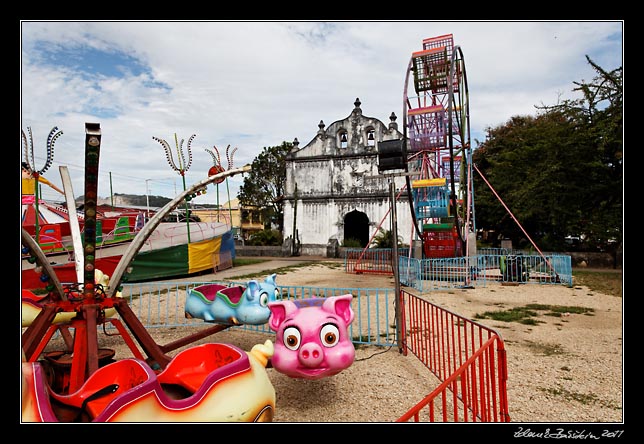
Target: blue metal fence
162, 304
457, 272
495, 264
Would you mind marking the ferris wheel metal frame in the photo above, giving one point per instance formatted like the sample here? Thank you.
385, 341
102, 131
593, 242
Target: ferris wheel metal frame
436, 143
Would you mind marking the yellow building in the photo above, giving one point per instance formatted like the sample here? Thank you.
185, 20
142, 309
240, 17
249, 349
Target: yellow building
244, 221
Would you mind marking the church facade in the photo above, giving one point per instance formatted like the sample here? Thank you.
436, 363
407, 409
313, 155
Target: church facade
333, 190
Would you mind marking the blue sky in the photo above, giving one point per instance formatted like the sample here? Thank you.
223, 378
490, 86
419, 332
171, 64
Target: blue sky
250, 85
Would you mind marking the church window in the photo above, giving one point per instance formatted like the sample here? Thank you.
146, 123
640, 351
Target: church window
371, 137
344, 143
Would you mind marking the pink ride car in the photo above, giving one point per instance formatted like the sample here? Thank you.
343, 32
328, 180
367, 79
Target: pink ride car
313, 339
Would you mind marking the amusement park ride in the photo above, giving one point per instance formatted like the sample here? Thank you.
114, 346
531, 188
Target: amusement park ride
437, 146
435, 152
83, 384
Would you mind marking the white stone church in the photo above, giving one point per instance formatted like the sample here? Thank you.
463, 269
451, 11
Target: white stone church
333, 189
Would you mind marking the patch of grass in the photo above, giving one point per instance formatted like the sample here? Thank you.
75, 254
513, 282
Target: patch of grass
519, 314
544, 349
559, 310
238, 262
582, 398
606, 282
527, 314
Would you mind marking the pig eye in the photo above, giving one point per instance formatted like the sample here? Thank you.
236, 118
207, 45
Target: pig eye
263, 299
292, 338
329, 335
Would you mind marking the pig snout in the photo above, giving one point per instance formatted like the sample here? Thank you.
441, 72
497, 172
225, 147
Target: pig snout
311, 355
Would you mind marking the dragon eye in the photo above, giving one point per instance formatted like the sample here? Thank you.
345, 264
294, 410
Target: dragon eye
277, 294
263, 299
329, 335
292, 338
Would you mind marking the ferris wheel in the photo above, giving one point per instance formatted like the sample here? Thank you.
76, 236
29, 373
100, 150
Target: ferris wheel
437, 138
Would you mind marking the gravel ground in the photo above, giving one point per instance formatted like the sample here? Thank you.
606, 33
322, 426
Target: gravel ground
565, 369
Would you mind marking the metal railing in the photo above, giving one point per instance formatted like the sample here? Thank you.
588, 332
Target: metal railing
456, 272
467, 357
372, 260
162, 305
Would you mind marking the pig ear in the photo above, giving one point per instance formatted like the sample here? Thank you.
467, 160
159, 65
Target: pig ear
253, 288
341, 305
279, 311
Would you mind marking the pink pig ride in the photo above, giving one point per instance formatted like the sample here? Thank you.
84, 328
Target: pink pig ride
312, 339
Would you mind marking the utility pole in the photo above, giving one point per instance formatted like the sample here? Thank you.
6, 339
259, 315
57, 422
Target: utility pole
293, 244
147, 197
392, 155
394, 261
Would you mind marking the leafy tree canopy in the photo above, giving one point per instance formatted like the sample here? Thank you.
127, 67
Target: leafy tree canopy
263, 186
560, 172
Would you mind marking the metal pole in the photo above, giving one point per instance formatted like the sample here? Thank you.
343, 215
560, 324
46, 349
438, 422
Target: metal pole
394, 262
36, 198
92, 154
187, 209
74, 226
111, 191
147, 197
293, 250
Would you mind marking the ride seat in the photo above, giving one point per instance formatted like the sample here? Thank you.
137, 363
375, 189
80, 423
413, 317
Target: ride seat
192, 366
234, 294
208, 291
106, 384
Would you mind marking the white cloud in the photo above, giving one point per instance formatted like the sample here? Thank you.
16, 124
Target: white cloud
255, 84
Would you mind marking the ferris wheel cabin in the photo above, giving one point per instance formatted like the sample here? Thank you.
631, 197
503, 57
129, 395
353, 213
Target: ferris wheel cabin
433, 211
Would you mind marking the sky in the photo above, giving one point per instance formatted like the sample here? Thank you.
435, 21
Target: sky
242, 86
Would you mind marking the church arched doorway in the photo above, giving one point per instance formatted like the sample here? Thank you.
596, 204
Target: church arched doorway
356, 226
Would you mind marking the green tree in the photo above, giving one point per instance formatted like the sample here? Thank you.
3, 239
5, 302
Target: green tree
559, 172
263, 186
385, 239
599, 115
265, 238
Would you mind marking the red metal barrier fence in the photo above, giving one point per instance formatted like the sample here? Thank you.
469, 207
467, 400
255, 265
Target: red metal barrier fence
374, 261
468, 358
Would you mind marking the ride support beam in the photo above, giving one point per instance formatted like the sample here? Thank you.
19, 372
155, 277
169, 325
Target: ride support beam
149, 345
34, 334
80, 355
127, 338
194, 337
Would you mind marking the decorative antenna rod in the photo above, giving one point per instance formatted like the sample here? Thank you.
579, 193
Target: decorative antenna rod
30, 164
218, 168
183, 166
